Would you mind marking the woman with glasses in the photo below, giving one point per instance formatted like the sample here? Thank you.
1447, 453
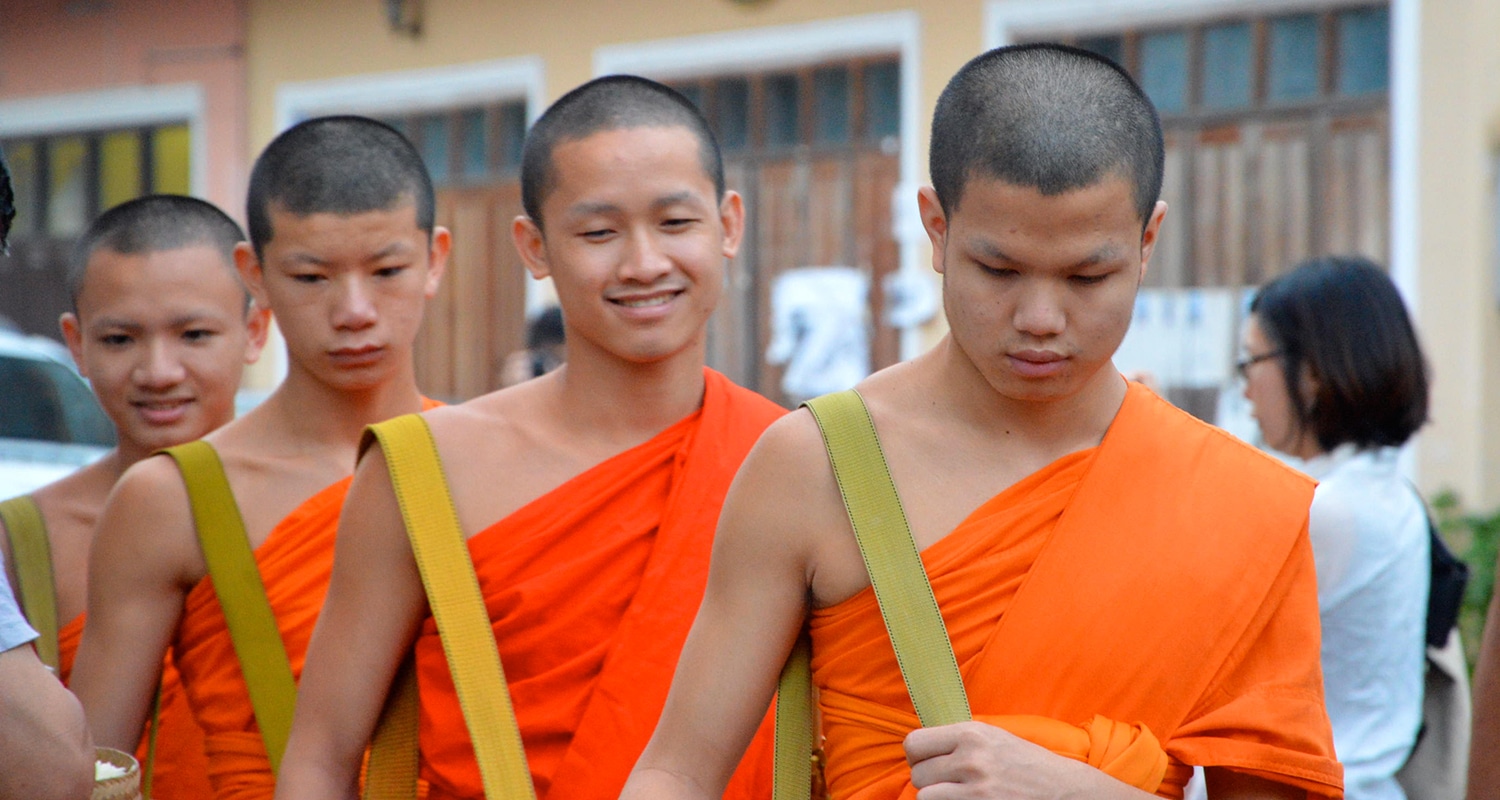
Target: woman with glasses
1336, 378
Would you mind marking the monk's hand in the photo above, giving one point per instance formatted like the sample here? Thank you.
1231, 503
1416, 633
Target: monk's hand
977, 760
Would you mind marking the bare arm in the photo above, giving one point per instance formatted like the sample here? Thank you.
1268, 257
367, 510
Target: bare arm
1484, 773
45, 752
375, 603
144, 561
752, 609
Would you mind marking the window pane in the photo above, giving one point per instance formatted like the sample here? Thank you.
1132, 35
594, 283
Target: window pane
434, 132
171, 157
1364, 50
883, 100
1293, 58
831, 105
68, 186
782, 111
476, 143
1228, 64
1164, 69
512, 134
21, 158
1111, 47
732, 113
119, 168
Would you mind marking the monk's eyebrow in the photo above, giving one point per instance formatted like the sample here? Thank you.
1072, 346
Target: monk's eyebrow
590, 208
675, 198
114, 323
1106, 254
392, 249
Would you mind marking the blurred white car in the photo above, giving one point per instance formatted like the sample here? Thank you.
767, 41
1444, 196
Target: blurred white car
50, 423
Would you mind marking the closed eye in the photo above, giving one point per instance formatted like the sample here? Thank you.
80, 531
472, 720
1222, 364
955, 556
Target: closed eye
1088, 280
114, 340
198, 334
390, 272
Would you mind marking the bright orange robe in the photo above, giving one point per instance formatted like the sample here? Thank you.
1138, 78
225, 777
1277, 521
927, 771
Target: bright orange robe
1142, 606
180, 771
295, 562
591, 590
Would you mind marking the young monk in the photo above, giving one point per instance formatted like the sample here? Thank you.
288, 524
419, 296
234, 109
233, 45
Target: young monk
1127, 591
162, 327
589, 495
344, 252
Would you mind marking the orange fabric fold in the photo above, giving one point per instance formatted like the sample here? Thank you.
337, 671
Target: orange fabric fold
1163, 578
591, 590
295, 562
180, 771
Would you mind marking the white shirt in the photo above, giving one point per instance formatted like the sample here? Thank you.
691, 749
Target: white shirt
1370, 543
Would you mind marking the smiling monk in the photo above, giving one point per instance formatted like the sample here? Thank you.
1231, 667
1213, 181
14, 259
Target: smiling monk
588, 496
1127, 591
344, 252
162, 327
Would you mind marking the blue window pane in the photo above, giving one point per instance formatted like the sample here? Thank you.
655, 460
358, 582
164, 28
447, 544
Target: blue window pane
434, 133
883, 100
512, 134
831, 105
1364, 50
783, 116
476, 143
732, 113
1228, 64
1293, 67
1111, 47
1164, 69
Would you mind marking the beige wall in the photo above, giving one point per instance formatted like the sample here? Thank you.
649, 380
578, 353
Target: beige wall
1459, 131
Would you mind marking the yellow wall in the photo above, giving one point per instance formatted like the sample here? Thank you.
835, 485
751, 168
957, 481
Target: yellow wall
1458, 313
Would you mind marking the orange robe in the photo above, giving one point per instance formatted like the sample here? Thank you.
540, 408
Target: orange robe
180, 770
295, 562
1144, 605
591, 590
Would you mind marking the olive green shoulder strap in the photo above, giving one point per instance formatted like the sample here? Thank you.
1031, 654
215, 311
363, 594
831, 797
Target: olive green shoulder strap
35, 590
453, 593
912, 619
242, 594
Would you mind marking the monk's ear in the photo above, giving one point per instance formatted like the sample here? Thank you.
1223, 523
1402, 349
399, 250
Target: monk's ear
732, 220
437, 259
935, 222
72, 333
247, 263
1149, 235
532, 246
258, 328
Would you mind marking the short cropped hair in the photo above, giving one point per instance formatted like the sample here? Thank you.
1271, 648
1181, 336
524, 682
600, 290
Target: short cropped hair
609, 103
152, 224
336, 165
1049, 117
1342, 320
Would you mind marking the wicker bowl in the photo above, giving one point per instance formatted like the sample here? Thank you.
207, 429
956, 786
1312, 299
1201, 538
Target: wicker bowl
123, 787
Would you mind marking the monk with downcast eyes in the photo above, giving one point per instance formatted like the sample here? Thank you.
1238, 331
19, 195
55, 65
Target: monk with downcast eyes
1128, 592
588, 496
344, 252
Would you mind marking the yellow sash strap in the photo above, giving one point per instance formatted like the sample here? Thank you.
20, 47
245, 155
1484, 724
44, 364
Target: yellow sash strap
453, 593
242, 595
902, 590
35, 590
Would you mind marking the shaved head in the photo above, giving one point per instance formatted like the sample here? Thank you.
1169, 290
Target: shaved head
152, 224
605, 104
1049, 117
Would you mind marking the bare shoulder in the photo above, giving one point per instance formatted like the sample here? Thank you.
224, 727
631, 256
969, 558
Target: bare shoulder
148, 518
478, 422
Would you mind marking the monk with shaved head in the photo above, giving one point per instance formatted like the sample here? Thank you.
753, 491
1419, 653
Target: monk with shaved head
1123, 592
587, 497
344, 252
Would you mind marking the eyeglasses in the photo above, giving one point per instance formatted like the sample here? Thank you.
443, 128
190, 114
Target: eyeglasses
1243, 366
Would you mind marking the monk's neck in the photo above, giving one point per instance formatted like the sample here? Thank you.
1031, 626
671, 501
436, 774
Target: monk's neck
312, 411
602, 392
